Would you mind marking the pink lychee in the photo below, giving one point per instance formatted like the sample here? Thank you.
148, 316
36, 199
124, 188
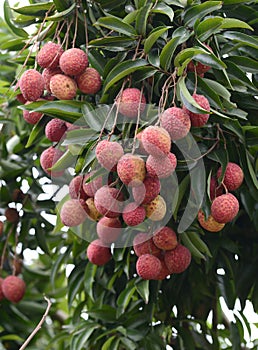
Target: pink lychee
233, 176
91, 184
131, 169
224, 208
76, 188
108, 154
31, 117
47, 74
133, 214
55, 129
165, 238
164, 271
156, 141
73, 61
109, 229
47, 160
161, 167
215, 189
141, 149
63, 87
1, 290
49, 55
199, 119
130, 101
13, 288
73, 212
176, 121
31, 85
148, 190
143, 244
89, 81
148, 266
178, 259
98, 253
108, 201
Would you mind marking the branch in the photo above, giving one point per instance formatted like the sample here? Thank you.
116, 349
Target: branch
38, 326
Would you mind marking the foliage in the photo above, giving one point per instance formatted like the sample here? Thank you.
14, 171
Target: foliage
146, 44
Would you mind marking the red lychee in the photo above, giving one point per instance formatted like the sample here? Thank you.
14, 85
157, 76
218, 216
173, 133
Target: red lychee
13, 288
143, 244
1, 290
156, 209
31, 117
73, 212
209, 224
73, 61
215, 189
199, 119
147, 191
1, 227
130, 101
49, 55
224, 208
20, 96
108, 201
156, 141
176, 121
199, 67
164, 271
148, 266
133, 214
233, 176
76, 188
47, 160
47, 74
12, 215
108, 154
131, 169
165, 238
161, 167
178, 259
89, 81
98, 253
55, 129
109, 229
92, 211
31, 85
63, 87
91, 184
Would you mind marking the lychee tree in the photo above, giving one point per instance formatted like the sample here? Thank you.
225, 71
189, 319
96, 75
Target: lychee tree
128, 171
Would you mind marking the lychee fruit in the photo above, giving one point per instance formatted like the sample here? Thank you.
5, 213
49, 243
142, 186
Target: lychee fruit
156, 141
47, 74
147, 191
55, 129
31, 85
224, 208
1, 227
161, 167
209, 224
233, 176
164, 271
12, 215
215, 189
108, 154
73, 61
199, 119
63, 87
76, 188
108, 201
133, 214
131, 169
18, 195
92, 184
47, 160
178, 259
31, 117
1, 290
143, 244
92, 210
156, 209
89, 81
13, 288
165, 238
73, 212
130, 101
109, 229
148, 266
49, 55
98, 253
176, 121
199, 67
20, 96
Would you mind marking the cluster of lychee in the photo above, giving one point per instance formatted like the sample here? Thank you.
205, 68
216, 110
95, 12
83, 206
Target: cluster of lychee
225, 206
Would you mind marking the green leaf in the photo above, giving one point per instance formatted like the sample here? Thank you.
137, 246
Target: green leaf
142, 288
234, 23
75, 282
113, 41
165, 10
218, 88
141, 19
62, 15
61, 259
9, 20
247, 64
241, 38
34, 9
116, 24
89, 278
197, 12
61, 5
64, 162
153, 37
208, 27
124, 299
79, 137
108, 343
37, 131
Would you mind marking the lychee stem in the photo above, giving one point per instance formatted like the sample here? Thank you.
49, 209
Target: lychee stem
75, 27
15, 253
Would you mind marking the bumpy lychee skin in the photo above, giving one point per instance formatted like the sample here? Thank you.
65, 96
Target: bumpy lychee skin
215, 189
165, 238
209, 224
108, 154
224, 208
233, 176
13, 288
31, 117
164, 271
156, 209
47, 160
133, 214
98, 253
178, 259
63, 87
1, 290
49, 55
92, 211
109, 229
91, 185
73, 212
31, 85
130, 102
108, 201
148, 266
143, 244
156, 141
89, 81
76, 188
176, 121
12, 215
131, 170
55, 129
199, 119
161, 167
47, 74
147, 191
73, 61
1, 227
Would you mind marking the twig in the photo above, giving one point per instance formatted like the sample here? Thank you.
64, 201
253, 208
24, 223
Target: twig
38, 326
